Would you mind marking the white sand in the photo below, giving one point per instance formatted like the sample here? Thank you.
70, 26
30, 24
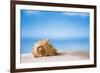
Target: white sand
62, 56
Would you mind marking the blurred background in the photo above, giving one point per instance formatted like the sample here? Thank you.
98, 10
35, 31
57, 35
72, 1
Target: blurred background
67, 31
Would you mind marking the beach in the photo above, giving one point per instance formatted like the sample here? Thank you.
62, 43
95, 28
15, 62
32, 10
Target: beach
61, 56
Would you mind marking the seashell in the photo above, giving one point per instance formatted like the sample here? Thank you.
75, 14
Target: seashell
43, 48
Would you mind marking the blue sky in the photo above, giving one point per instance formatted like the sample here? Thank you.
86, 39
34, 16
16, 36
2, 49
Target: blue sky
54, 25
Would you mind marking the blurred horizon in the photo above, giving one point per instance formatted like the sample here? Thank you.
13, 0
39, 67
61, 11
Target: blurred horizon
61, 28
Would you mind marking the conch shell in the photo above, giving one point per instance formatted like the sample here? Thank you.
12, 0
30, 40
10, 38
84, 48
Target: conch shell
43, 48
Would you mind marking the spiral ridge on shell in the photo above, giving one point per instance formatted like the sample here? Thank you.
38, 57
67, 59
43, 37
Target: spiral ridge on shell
43, 48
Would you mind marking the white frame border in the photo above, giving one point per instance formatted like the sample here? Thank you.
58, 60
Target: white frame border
51, 8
